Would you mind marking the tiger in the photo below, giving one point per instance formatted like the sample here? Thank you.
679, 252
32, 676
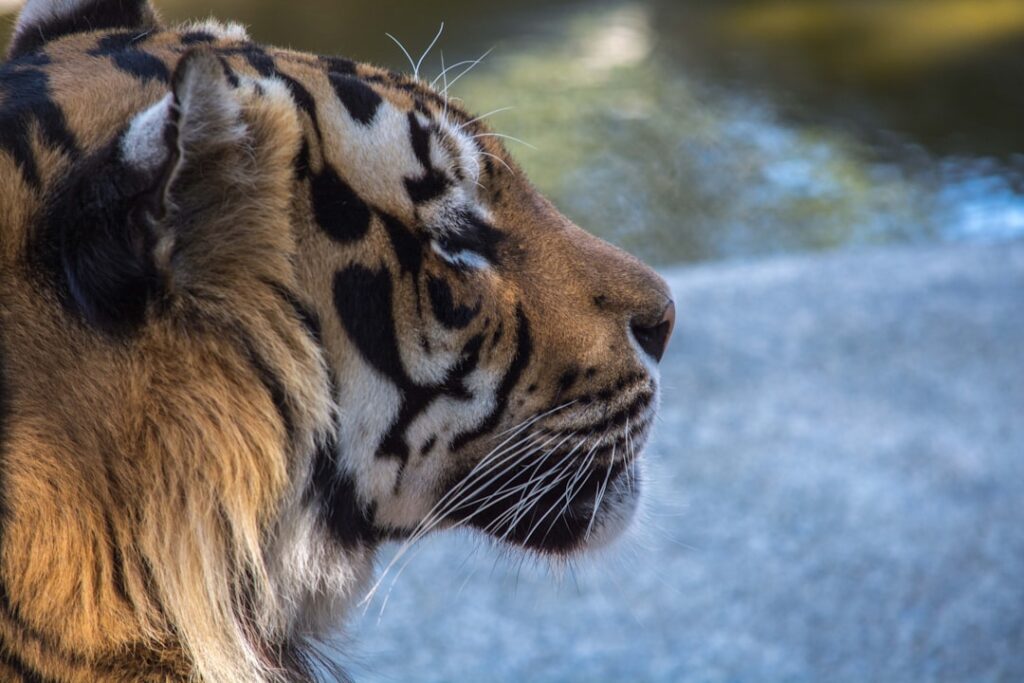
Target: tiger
262, 313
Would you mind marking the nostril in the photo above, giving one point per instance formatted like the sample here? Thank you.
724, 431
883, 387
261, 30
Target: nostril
653, 339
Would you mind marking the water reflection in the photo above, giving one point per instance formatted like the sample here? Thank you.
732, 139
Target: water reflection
706, 130
675, 167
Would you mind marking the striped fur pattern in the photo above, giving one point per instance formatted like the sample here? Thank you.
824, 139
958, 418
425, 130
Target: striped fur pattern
262, 311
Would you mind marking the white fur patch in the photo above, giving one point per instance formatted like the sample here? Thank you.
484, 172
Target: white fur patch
463, 258
376, 158
221, 30
144, 146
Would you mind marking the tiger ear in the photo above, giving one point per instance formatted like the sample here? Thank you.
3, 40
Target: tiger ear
111, 236
41, 21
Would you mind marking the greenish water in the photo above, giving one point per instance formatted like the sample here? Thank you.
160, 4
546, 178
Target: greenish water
706, 130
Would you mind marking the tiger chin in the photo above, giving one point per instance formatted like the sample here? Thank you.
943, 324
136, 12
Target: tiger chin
262, 311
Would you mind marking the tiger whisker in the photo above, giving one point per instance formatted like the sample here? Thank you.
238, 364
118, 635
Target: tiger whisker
430, 522
413, 556
468, 69
527, 489
445, 70
563, 474
499, 159
581, 472
486, 461
562, 467
484, 116
503, 493
531, 491
503, 136
416, 69
494, 472
457, 496
600, 496
412, 62
630, 452
533, 477
570, 489
532, 480
534, 419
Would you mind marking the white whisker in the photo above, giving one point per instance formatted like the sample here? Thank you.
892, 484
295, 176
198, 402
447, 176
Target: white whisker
444, 72
499, 159
457, 495
504, 137
564, 471
600, 496
416, 69
412, 62
469, 68
484, 116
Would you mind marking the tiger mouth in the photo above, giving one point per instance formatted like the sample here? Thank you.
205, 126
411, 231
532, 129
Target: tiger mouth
564, 484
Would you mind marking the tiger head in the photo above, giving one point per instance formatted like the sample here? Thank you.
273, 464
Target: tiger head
437, 344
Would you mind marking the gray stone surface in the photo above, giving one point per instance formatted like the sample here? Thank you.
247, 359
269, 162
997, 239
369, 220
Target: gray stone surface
837, 494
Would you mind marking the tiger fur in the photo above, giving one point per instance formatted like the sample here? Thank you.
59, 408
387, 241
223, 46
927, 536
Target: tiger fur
261, 312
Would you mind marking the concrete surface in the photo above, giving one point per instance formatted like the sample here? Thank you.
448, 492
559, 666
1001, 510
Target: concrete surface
837, 494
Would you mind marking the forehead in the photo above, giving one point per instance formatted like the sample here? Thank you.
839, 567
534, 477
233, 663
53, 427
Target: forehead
393, 141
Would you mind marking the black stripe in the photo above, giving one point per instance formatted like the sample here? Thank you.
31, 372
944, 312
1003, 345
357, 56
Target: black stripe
26, 101
349, 522
150, 585
407, 246
420, 138
232, 77
417, 398
11, 613
301, 163
113, 43
468, 232
117, 561
265, 66
21, 668
123, 48
523, 353
94, 245
363, 299
359, 99
197, 37
338, 65
90, 16
309, 319
433, 183
301, 96
257, 58
338, 209
451, 315
272, 383
628, 413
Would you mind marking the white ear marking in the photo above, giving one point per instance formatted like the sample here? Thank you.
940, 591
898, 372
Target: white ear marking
144, 145
219, 29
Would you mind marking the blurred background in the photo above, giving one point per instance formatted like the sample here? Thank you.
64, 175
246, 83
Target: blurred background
835, 190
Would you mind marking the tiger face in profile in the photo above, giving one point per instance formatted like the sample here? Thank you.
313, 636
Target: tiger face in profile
262, 311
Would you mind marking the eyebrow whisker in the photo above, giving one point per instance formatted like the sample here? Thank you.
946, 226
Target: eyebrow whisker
416, 68
504, 137
408, 56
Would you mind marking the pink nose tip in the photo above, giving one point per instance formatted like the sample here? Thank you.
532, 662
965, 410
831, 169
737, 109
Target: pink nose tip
653, 339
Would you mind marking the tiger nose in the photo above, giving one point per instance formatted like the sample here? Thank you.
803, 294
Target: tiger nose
653, 339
